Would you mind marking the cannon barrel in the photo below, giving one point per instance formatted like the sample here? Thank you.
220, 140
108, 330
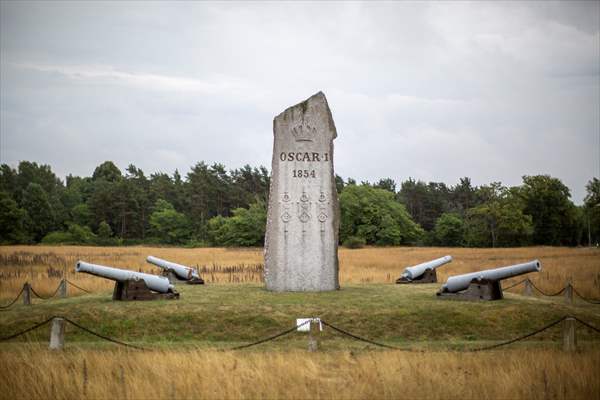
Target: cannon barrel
461, 282
156, 283
418, 270
182, 271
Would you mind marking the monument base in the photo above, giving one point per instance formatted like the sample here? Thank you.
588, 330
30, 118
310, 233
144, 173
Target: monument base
429, 276
137, 290
478, 290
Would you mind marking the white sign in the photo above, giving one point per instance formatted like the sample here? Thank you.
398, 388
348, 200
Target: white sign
303, 324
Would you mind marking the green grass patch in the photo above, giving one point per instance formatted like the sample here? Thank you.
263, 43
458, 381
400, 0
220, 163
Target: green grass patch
227, 315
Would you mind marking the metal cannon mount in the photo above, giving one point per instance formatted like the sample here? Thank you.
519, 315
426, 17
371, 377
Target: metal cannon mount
429, 276
133, 289
478, 289
173, 278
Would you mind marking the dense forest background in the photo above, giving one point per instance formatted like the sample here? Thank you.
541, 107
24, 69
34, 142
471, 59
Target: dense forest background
213, 206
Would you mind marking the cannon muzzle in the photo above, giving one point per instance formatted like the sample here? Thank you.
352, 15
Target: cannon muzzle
156, 283
461, 282
181, 271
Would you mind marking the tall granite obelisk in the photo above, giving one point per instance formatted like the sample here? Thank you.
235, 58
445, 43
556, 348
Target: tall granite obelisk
303, 219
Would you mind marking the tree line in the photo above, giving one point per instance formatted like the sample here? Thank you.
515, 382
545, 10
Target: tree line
214, 206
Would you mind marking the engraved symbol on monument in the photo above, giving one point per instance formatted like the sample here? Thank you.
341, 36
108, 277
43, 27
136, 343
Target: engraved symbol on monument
286, 216
304, 209
303, 132
322, 210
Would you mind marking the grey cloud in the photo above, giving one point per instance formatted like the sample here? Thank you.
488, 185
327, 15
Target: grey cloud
435, 91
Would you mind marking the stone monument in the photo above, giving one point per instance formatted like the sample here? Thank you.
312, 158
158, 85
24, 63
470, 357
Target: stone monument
303, 219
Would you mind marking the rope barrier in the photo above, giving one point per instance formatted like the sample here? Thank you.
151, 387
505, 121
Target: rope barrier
102, 336
74, 324
26, 330
516, 284
36, 294
3, 308
546, 294
39, 296
358, 337
586, 324
288, 331
550, 325
78, 287
591, 301
245, 346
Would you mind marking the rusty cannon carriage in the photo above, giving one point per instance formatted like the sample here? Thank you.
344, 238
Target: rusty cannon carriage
424, 272
177, 272
484, 285
131, 285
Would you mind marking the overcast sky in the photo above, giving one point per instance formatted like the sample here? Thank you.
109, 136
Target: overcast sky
434, 91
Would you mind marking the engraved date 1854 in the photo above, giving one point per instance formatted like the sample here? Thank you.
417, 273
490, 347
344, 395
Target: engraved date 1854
304, 173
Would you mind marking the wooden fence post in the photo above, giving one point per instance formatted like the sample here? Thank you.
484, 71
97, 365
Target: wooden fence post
85, 378
569, 337
528, 291
27, 294
122, 381
313, 341
63, 288
57, 334
569, 293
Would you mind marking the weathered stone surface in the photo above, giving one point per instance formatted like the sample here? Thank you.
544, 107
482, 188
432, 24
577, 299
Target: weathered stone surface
303, 218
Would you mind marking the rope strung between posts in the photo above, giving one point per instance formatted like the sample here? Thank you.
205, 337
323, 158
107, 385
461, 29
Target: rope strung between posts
83, 328
74, 285
546, 294
586, 324
245, 346
3, 308
494, 346
26, 330
39, 296
36, 294
550, 325
516, 284
74, 324
591, 301
343, 332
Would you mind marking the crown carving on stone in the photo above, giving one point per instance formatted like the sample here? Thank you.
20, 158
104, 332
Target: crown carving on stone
304, 132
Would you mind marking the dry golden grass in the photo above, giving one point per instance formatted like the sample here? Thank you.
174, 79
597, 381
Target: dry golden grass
31, 371
19, 264
35, 373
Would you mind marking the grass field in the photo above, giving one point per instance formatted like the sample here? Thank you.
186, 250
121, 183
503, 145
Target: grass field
41, 264
33, 372
186, 336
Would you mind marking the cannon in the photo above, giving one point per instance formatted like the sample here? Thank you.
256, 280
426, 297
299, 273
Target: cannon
176, 271
484, 285
424, 272
131, 285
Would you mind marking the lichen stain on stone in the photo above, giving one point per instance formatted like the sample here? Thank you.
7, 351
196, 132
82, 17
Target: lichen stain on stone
304, 106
